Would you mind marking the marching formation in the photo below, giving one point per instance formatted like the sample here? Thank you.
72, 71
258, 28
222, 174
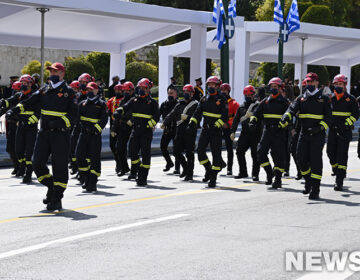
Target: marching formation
73, 117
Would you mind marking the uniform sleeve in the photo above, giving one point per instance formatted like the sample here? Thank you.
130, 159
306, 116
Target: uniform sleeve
293, 108
257, 114
156, 112
103, 116
327, 113
172, 115
11, 101
224, 112
196, 118
355, 112
25, 105
161, 111
236, 119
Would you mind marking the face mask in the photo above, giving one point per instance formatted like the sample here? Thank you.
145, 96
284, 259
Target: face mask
83, 87
90, 94
119, 95
248, 99
171, 98
211, 90
54, 78
23, 88
339, 90
126, 94
310, 88
225, 94
186, 96
142, 92
36, 81
274, 91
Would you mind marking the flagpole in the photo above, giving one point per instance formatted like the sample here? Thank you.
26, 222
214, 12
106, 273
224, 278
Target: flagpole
281, 44
224, 55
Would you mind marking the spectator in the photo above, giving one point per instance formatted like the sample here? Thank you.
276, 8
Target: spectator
115, 81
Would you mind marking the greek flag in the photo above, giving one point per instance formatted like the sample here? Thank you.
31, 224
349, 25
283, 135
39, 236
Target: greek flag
218, 14
293, 19
232, 9
278, 13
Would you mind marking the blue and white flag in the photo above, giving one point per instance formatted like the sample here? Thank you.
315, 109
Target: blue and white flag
218, 14
278, 13
293, 19
232, 9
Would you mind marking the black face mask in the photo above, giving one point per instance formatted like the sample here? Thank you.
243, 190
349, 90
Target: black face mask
248, 99
211, 90
142, 92
82, 86
54, 78
310, 88
274, 91
126, 94
339, 90
171, 98
90, 95
119, 95
23, 88
186, 96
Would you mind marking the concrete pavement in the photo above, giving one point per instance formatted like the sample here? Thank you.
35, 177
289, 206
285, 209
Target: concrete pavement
173, 229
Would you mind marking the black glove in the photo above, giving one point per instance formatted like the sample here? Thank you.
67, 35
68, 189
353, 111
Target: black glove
191, 127
316, 129
10, 113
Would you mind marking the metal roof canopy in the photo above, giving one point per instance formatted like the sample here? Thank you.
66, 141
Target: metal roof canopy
323, 45
112, 26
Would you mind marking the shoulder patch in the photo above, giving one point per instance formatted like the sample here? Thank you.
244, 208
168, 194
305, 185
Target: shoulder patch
60, 94
347, 99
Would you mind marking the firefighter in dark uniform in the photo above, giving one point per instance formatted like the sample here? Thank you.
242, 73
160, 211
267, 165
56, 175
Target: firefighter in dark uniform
271, 110
314, 110
170, 129
11, 127
27, 128
213, 109
145, 114
232, 106
57, 109
8, 91
93, 118
112, 104
122, 129
83, 80
36, 81
345, 113
249, 138
184, 141
199, 92
295, 132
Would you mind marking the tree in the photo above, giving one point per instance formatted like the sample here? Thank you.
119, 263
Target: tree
76, 66
138, 70
101, 63
34, 66
322, 73
319, 14
131, 57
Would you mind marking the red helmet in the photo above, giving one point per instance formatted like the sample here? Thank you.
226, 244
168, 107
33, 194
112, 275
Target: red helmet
340, 79
127, 86
85, 78
118, 87
188, 87
213, 79
276, 81
75, 85
249, 90
16, 86
312, 76
26, 78
225, 86
144, 82
303, 83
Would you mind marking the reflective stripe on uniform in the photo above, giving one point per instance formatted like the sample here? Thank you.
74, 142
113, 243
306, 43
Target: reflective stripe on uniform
98, 127
272, 116
94, 172
7, 104
211, 115
194, 120
306, 172
28, 162
334, 165
73, 159
217, 168
324, 125
311, 116
289, 114
315, 176
144, 116
53, 113
279, 169
204, 161
344, 167
27, 113
63, 185
44, 177
265, 164
67, 122
135, 161
352, 118
84, 169
21, 107
21, 160
341, 114
253, 118
147, 166
82, 118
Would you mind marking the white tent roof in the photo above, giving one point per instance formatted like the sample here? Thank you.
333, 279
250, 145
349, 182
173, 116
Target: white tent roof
325, 45
108, 25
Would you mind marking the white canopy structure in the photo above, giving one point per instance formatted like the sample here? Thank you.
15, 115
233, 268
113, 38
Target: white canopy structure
112, 26
257, 42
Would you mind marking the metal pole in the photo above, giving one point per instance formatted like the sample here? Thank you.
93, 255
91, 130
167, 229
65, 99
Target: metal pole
302, 61
281, 44
225, 52
42, 11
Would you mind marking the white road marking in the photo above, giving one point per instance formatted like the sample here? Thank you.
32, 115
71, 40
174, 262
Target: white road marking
326, 275
86, 235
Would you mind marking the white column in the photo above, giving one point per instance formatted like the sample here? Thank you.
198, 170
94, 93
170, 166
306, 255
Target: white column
165, 72
297, 75
346, 70
198, 53
117, 65
231, 75
242, 62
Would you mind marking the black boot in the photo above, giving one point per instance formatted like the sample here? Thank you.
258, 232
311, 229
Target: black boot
73, 167
298, 176
339, 184
334, 170
21, 170
28, 173
241, 176
142, 177
48, 182
133, 172
168, 166
123, 172
229, 172
277, 183
55, 202
16, 168
315, 189
213, 177
91, 183
307, 188
207, 172
269, 175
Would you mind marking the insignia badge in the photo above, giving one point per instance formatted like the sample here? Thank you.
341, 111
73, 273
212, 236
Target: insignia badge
321, 100
347, 99
218, 102
66, 94
60, 94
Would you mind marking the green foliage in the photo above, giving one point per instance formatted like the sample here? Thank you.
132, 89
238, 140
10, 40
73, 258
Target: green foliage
248, 8
266, 71
101, 63
34, 66
76, 66
137, 70
355, 73
266, 11
153, 56
131, 57
322, 73
303, 6
319, 14
289, 71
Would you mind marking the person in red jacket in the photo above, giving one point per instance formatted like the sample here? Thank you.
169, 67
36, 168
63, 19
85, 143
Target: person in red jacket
232, 108
112, 104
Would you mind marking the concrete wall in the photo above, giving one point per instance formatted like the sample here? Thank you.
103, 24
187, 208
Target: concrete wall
13, 59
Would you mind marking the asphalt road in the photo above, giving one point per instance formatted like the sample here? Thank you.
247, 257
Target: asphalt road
173, 229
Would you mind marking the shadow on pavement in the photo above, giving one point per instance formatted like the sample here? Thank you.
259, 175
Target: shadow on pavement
65, 213
106, 194
229, 189
333, 201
